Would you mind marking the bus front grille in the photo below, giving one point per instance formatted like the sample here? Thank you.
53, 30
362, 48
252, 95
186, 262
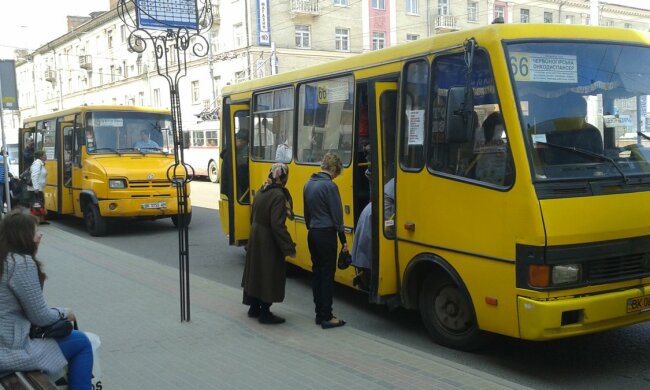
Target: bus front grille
621, 267
164, 183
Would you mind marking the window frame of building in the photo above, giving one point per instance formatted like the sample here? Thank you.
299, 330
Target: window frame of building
156, 98
109, 39
412, 7
500, 11
195, 91
342, 3
524, 15
238, 35
412, 37
240, 76
569, 19
101, 76
141, 98
379, 4
548, 17
302, 34
123, 35
472, 11
342, 39
443, 7
627, 25
378, 39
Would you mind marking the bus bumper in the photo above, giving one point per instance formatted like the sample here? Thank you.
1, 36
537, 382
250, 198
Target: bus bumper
546, 320
141, 207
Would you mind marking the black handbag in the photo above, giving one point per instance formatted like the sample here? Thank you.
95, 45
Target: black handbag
60, 328
345, 259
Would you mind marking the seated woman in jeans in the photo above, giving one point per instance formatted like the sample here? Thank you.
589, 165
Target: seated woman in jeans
22, 304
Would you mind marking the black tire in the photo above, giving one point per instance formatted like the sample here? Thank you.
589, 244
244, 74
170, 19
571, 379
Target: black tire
448, 314
188, 219
213, 171
96, 225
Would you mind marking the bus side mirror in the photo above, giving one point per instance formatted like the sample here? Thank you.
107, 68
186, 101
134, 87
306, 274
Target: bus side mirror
460, 115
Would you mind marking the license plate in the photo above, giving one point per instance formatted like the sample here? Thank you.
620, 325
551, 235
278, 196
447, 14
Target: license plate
155, 205
641, 303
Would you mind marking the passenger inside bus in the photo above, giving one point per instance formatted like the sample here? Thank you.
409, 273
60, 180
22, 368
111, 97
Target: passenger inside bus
145, 142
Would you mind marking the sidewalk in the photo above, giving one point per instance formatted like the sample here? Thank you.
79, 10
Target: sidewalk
133, 304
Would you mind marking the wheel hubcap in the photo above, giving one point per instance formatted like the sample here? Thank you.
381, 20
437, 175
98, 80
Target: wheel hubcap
451, 311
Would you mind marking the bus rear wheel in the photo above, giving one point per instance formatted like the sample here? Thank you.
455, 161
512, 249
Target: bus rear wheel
95, 223
213, 171
448, 315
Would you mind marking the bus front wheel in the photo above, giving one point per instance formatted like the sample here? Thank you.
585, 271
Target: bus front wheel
448, 315
95, 223
213, 171
188, 219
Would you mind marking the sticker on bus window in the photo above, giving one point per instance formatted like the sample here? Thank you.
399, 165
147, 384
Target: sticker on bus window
544, 68
416, 127
539, 138
333, 91
108, 122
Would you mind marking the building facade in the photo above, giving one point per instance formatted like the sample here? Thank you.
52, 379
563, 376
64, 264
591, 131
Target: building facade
92, 64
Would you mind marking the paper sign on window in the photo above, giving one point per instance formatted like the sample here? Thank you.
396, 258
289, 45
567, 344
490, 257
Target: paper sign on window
545, 68
416, 127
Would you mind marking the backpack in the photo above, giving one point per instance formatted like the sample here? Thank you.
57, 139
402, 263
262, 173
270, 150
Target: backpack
26, 177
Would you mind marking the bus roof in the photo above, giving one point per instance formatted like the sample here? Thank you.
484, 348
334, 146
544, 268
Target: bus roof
55, 114
486, 34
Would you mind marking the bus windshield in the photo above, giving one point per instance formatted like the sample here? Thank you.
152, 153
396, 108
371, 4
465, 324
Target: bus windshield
128, 132
583, 108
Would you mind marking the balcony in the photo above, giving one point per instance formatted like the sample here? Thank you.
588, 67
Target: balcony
445, 23
86, 62
305, 7
50, 76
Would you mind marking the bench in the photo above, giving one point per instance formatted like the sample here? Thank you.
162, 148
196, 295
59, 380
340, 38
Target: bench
30, 380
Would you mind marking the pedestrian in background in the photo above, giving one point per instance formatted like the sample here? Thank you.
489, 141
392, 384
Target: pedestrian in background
269, 244
22, 304
39, 179
324, 219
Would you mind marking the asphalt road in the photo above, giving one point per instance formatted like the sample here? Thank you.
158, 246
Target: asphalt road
617, 359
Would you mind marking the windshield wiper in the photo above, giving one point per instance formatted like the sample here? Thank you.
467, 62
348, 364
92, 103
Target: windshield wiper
149, 150
129, 150
109, 149
643, 135
587, 153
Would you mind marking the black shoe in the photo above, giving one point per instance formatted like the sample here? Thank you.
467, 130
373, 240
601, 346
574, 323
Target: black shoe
318, 320
253, 312
44, 223
270, 319
333, 323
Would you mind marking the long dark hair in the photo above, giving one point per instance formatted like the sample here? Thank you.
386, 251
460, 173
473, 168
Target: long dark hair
17, 231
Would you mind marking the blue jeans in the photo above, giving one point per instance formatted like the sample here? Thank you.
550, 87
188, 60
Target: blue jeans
79, 353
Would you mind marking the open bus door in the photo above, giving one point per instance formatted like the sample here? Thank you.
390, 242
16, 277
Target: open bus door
234, 200
383, 118
65, 134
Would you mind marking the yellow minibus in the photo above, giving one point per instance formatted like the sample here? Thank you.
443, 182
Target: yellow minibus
506, 167
104, 163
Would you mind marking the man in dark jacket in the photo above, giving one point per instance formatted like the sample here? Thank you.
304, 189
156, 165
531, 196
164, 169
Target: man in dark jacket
324, 219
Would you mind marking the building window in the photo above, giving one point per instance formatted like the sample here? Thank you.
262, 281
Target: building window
342, 39
607, 23
112, 73
569, 19
628, 25
500, 12
378, 4
342, 2
101, 76
239, 35
195, 92
548, 17
412, 37
524, 15
156, 97
217, 85
240, 76
472, 11
443, 7
109, 37
123, 33
303, 36
140, 98
378, 40
412, 6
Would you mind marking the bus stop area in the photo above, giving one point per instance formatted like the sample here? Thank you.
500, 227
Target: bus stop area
132, 303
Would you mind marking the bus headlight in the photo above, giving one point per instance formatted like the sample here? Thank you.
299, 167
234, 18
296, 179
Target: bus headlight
116, 183
568, 273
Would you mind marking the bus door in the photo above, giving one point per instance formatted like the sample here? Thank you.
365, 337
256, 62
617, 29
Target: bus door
234, 200
64, 173
383, 118
76, 183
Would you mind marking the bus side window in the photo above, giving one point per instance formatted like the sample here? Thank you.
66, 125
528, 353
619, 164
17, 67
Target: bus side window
414, 115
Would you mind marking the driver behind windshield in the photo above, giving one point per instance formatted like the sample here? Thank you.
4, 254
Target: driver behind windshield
145, 142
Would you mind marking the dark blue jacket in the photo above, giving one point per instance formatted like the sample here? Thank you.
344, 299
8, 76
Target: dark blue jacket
322, 202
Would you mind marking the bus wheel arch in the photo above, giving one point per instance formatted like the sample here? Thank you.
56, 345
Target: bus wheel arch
95, 223
213, 171
434, 287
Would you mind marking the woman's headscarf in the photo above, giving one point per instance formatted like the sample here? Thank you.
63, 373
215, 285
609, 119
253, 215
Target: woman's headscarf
278, 176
